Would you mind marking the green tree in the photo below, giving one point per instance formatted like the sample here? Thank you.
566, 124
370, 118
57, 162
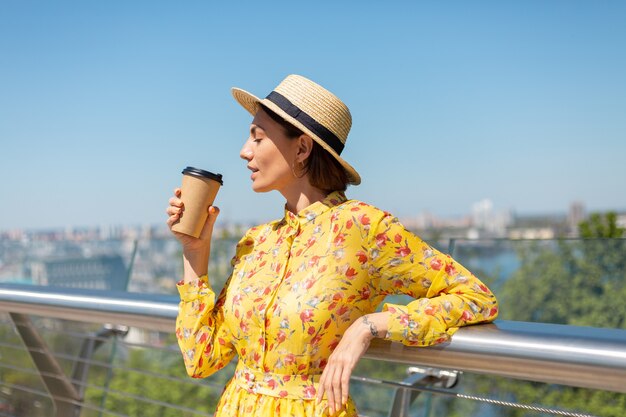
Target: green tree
601, 226
579, 283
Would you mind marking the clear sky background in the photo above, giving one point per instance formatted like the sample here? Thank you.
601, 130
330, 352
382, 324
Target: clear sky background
102, 103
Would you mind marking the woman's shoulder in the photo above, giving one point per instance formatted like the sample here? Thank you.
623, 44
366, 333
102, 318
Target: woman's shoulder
362, 210
360, 205
376, 221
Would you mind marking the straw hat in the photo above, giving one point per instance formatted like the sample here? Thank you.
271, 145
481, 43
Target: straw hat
312, 109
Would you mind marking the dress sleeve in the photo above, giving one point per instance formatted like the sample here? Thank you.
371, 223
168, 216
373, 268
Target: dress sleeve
203, 335
447, 295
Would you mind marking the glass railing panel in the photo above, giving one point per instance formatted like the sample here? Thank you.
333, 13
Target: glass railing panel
139, 373
570, 281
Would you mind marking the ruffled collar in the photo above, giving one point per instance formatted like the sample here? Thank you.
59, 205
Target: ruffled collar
312, 211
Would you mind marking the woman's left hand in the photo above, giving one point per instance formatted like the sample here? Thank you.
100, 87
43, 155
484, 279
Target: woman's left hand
335, 379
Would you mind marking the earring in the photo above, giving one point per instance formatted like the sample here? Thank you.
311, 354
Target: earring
300, 169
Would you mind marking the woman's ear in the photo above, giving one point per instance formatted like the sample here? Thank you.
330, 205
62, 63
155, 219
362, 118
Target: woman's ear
305, 146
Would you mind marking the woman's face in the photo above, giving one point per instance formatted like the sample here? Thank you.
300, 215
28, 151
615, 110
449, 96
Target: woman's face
270, 154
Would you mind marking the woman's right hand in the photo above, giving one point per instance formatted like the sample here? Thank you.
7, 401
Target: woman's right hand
190, 243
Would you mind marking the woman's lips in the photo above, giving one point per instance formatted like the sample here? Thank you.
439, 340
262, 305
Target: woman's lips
254, 171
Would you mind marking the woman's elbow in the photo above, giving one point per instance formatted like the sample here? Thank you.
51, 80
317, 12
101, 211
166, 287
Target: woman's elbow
199, 368
487, 303
201, 364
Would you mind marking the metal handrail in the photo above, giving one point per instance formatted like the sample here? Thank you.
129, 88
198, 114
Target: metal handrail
147, 311
569, 355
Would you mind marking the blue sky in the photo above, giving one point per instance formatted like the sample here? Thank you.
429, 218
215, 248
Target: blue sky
103, 103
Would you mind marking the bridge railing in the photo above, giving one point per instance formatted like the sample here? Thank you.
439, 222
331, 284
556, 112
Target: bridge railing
556, 354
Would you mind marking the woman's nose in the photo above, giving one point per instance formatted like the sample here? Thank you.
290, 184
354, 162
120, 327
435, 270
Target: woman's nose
246, 152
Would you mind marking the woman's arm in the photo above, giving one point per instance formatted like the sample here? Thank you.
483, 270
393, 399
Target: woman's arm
200, 329
447, 297
195, 264
335, 379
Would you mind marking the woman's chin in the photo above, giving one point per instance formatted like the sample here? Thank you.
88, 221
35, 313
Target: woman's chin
259, 188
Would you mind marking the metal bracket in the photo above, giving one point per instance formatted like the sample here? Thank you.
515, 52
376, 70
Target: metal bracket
440, 378
89, 347
420, 377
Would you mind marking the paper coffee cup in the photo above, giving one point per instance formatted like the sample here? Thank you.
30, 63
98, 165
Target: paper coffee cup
198, 192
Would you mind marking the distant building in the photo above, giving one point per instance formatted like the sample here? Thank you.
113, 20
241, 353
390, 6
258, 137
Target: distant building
422, 221
482, 213
531, 233
486, 219
575, 215
97, 272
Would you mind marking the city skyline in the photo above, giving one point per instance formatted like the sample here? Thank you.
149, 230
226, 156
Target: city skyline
483, 214
103, 105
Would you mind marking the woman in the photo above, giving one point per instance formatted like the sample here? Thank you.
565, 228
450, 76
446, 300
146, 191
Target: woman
299, 308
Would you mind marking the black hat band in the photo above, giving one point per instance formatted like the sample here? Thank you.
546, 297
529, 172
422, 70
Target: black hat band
307, 121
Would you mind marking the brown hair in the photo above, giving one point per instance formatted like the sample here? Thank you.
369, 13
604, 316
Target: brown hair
325, 172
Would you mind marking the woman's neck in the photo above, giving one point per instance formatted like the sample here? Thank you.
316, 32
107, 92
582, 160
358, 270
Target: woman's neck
301, 195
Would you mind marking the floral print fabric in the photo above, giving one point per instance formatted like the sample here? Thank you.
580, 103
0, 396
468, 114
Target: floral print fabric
298, 283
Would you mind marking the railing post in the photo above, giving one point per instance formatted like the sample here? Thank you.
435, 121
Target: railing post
451, 246
63, 393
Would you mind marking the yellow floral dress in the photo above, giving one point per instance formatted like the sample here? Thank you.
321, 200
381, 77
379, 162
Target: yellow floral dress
296, 286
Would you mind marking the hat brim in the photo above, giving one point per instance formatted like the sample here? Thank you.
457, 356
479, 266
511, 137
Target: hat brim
251, 103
